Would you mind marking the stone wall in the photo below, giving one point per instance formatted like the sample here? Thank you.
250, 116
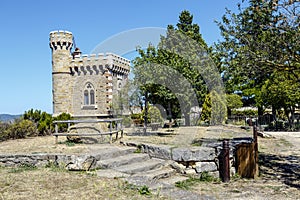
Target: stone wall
197, 159
70, 162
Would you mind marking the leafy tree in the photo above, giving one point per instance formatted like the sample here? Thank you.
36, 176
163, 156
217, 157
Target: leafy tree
170, 64
260, 42
206, 109
155, 115
233, 101
281, 92
214, 116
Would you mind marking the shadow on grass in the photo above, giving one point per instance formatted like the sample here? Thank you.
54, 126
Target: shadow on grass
284, 168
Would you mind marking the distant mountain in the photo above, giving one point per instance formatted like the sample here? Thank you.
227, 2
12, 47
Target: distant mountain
8, 117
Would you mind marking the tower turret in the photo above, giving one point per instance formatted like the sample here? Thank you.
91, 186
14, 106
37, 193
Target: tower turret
61, 43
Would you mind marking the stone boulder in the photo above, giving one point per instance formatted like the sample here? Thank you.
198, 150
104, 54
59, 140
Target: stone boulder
194, 154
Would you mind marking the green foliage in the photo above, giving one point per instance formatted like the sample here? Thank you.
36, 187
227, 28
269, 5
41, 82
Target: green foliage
4, 134
170, 65
191, 181
217, 115
63, 127
234, 101
206, 177
136, 116
260, 53
144, 190
55, 167
32, 123
42, 120
246, 112
68, 143
155, 115
206, 109
22, 128
23, 167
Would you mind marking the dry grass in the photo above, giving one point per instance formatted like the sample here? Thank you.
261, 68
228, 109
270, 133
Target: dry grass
46, 183
45, 144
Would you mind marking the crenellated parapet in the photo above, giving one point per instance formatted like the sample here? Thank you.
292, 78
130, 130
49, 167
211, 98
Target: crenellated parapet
95, 64
61, 40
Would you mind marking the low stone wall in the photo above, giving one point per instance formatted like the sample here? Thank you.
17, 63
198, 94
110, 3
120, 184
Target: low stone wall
70, 162
197, 159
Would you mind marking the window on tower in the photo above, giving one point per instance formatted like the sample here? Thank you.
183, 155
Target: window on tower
89, 96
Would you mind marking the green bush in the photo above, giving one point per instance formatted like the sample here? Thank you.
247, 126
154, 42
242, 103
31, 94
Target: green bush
63, 127
42, 120
248, 112
21, 129
4, 134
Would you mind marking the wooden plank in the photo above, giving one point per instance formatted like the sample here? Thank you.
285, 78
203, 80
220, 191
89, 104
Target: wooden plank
87, 121
85, 134
245, 160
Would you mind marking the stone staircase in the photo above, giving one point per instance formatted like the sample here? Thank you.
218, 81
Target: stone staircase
123, 162
141, 170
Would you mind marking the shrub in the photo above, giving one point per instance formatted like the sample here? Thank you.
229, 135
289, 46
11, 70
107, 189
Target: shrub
21, 129
4, 134
248, 112
64, 126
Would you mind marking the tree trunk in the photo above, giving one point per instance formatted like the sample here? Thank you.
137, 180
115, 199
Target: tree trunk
274, 113
287, 114
292, 119
260, 112
187, 119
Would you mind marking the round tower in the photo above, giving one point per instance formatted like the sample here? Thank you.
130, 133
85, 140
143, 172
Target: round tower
61, 43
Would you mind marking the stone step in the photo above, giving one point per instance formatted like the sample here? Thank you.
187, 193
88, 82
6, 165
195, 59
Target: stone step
112, 152
156, 174
140, 166
111, 173
152, 178
173, 179
122, 160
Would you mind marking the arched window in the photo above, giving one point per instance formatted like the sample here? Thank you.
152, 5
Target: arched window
92, 97
86, 97
89, 94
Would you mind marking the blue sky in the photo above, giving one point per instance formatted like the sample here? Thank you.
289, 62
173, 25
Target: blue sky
25, 56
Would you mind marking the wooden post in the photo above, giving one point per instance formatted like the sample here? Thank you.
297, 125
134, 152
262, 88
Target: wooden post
225, 166
117, 129
56, 128
110, 130
255, 150
56, 131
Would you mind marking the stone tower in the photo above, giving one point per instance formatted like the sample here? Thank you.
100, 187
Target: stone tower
61, 43
84, 85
